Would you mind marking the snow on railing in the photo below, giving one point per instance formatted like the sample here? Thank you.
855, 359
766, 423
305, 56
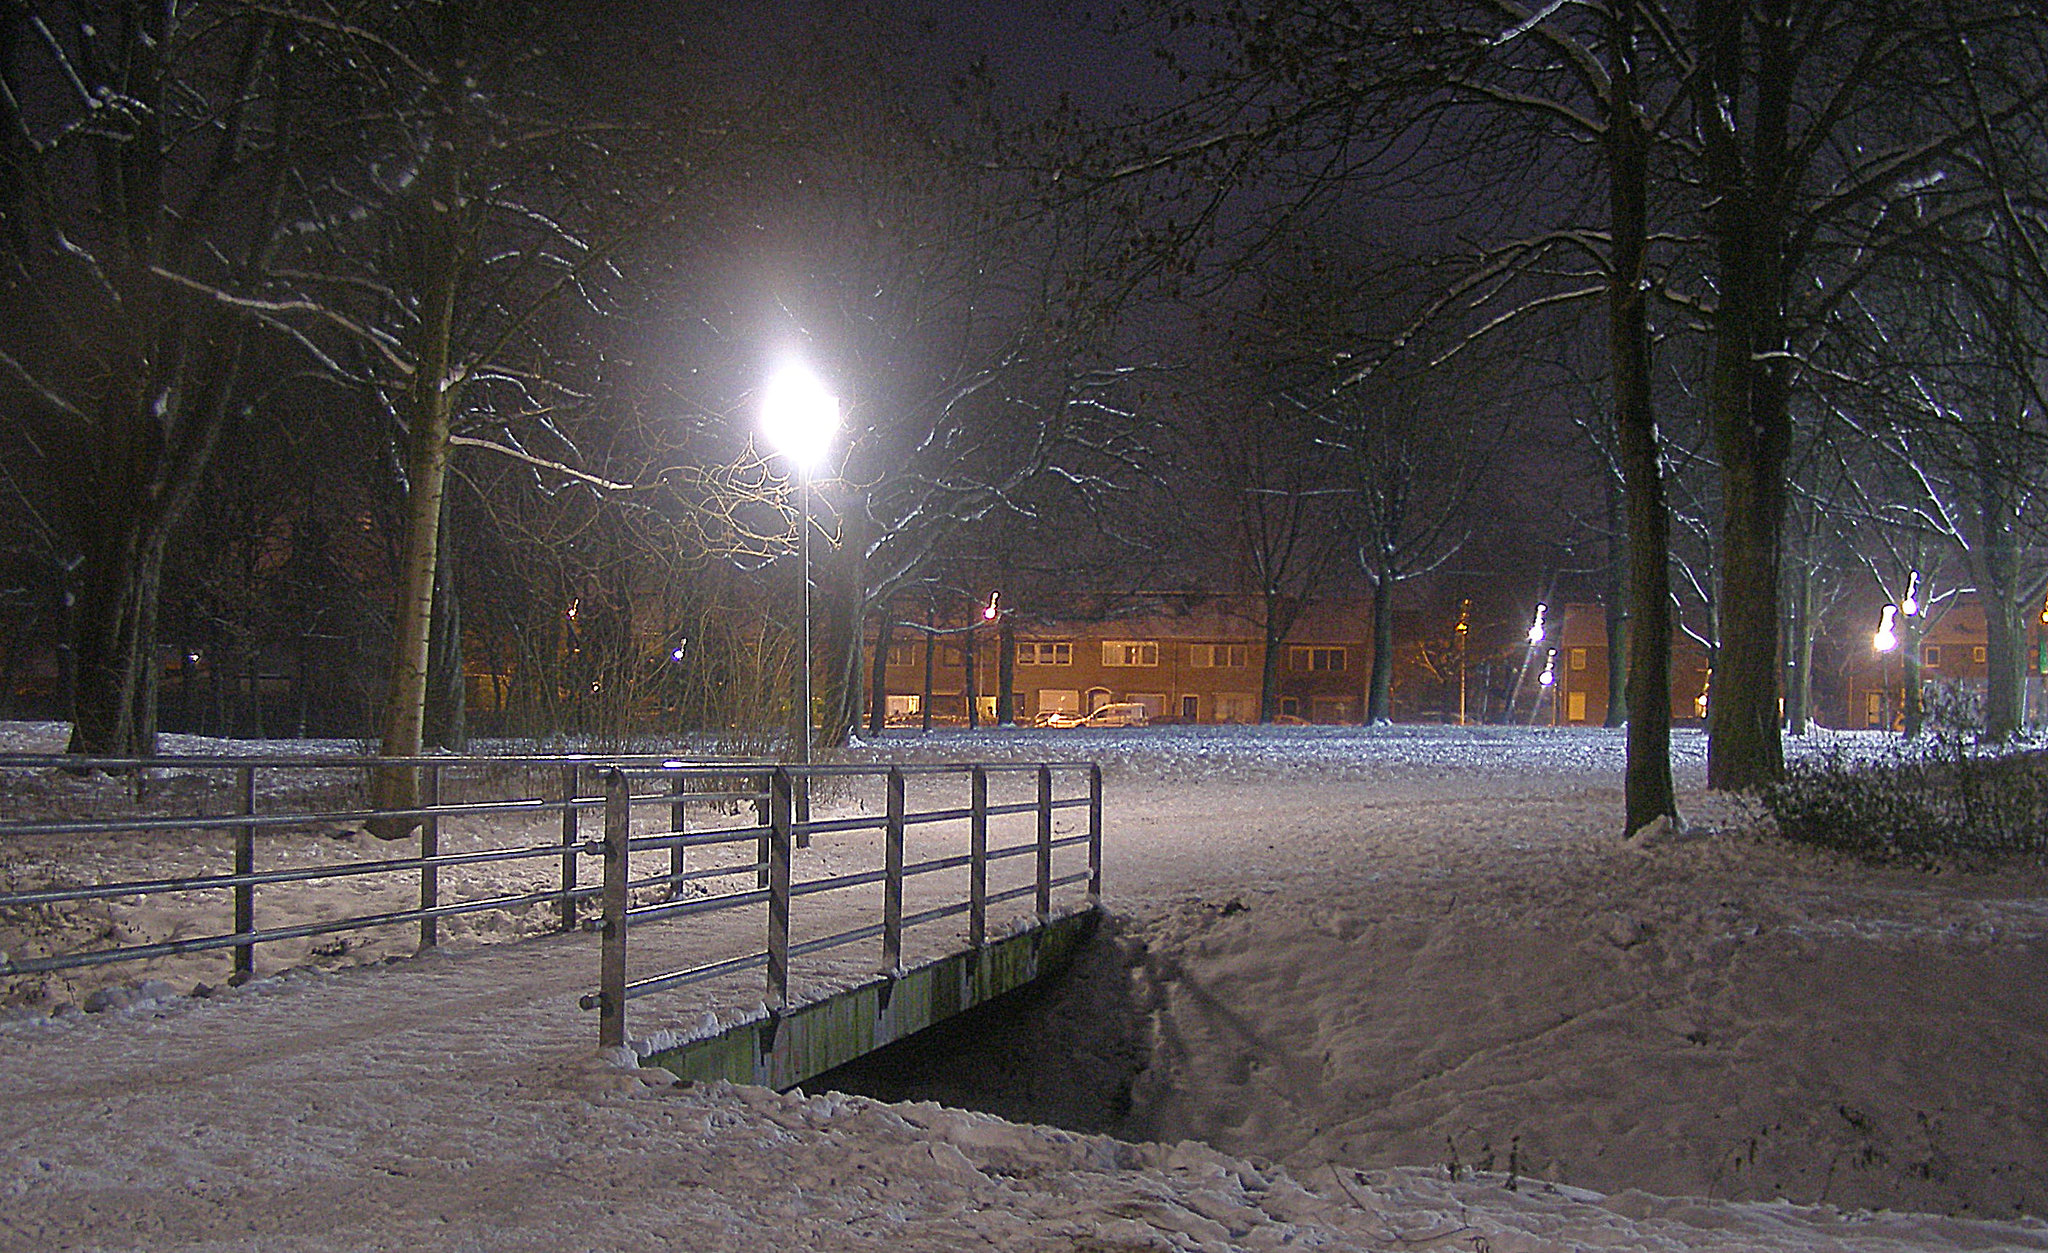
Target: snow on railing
249, 824
109, 860
789, 827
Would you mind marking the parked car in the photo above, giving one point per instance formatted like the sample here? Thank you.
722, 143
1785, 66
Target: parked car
1126, 714
1057, 718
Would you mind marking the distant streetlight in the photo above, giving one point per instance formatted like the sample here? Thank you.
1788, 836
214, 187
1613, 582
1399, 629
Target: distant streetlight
799, 417
1885, 640
1536, 627
1464, 630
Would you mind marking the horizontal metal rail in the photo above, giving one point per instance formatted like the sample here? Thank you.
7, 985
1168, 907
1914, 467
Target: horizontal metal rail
699, 782
776, 890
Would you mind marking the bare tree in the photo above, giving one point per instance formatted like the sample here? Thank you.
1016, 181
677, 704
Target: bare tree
143, 155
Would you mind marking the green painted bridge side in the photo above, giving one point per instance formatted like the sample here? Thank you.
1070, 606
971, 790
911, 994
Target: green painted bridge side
783, 1051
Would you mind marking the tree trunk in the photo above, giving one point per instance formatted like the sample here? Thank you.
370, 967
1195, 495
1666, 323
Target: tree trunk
1748, 405
1648, 792
845, 650
114, 706
1997, 562
1617, 605
931, 643
1913, 710
878, 674
1799, 653
1279, 620
1379, 703
970, 695
428, 411
1006, 673
446, 722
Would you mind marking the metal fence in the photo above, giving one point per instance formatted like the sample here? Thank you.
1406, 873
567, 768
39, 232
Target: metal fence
773, 889
231, 894
564, 787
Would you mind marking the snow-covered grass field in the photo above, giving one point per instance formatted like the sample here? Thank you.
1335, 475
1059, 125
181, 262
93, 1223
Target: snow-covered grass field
1345, 959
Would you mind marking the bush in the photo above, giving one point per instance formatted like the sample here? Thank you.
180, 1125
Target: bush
1935, 801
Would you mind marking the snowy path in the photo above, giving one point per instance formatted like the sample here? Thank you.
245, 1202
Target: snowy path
1424, 942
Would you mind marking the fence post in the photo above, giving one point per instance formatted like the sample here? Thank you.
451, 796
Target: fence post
781, 787
977, 865
764, 813
802, 795
1044, 901
892, 883
678, 825
571, 778
618, 829
1095, 835
430, 847
245, 864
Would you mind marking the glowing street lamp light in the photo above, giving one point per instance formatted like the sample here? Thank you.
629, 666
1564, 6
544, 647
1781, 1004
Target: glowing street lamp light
1536, 627
1885, 640
799, 417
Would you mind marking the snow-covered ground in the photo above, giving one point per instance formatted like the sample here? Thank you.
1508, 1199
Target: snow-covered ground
1345, 960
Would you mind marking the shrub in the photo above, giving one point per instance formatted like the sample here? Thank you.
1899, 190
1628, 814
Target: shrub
1941, 799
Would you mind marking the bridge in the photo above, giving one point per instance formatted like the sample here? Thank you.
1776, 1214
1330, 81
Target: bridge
904, 895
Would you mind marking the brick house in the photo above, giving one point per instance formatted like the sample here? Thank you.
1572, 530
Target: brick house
1196, 662
1579, 696
1952, 654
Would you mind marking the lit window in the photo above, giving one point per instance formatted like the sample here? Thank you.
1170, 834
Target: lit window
1977, 654
1313, 659
1130, 652
1578, 659
1931, 655
1044, 653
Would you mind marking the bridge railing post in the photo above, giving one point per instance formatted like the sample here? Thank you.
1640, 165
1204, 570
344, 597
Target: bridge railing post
571, 837
780, 804
892, 882
764, 818
245, 865
430, 848
1043, 900
618, 830
977, 866
1094, 835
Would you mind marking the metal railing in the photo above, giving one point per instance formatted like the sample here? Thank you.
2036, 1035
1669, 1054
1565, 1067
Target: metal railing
773, 888
247, 824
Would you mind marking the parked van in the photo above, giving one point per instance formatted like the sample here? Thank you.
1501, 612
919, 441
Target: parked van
1128, 714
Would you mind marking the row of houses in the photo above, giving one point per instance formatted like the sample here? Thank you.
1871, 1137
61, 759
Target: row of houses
1204, 664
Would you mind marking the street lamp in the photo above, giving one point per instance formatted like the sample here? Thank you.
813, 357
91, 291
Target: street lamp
798, 419
1464, 630
1884, 640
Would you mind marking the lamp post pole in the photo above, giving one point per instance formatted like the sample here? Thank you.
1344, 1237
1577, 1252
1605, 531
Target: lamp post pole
1884, 640
799, 416
803, 796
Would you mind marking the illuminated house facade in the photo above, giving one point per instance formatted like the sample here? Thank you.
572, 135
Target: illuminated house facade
1200, 666
1953, 664
1577, 660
